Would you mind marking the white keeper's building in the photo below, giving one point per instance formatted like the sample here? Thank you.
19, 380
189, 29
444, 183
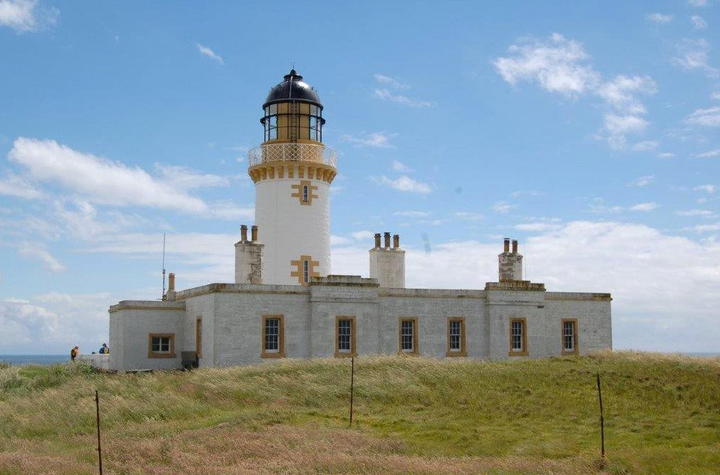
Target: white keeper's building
285, 303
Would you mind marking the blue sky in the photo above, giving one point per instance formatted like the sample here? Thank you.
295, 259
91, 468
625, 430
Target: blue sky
588, 131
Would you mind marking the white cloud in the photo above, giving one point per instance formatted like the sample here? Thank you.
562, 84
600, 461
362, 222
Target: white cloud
401, 167
710, 189
707, 117
363, 235
561, 65
659, 18
556, 65
666, 155
468, 216
390, 81
404, 183
104, 181
645, 146
17, 186
189, 179
37, 251
709, 154
642, 181
413, 214
693, 54
205, 51
698, 22
54, 322
644, 207
697, 3
25, 16
372, 140
715, 96
386, 95
535, 227
695, 212
707, 228
503, 207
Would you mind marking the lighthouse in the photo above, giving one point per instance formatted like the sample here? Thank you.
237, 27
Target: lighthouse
292, 170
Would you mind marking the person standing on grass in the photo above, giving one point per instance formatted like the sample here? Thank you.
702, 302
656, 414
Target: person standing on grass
74, 352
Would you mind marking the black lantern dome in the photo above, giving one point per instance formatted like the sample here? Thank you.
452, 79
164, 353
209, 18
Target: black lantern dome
293, 112
293, 88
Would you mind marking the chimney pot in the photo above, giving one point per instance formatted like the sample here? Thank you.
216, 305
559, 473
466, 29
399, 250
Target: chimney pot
396, 241
506, 245
171, 282
377, 240
514, 246
254, 233
387, 240
243, 233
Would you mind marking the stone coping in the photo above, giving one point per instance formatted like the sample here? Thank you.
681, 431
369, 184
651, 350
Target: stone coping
433, 293
577, 296
147, 305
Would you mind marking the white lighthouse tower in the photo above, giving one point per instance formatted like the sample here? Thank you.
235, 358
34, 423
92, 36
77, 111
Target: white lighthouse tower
292, 171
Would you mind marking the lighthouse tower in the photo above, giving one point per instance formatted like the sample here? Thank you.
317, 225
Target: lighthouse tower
292, 171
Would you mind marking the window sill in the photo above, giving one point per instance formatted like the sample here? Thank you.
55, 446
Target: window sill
272, 355
451, 354
569, 353
517, 353
408, 353
339, 354
161, 355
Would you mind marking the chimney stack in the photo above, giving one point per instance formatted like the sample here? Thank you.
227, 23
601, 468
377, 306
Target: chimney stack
171, 282
396, 241
514, 246
387, 264
254, 233
510, 263
243, 233
377, 241
387, 240
506, 245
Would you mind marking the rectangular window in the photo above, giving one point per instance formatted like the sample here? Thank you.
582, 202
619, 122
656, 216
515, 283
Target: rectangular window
344, 336
198, 337
306, 271
305, 196
273, 336
518, 337
569, 337
408, 336
456, 337
161, 345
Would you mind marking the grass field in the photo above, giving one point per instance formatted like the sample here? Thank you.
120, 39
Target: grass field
412, 415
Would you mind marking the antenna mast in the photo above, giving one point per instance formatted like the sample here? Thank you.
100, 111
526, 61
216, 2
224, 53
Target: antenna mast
163, 268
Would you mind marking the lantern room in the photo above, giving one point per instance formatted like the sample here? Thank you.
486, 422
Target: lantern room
292, 112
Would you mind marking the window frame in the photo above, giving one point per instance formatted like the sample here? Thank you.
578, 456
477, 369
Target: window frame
575, 325
353, 337
280, 353
462, 351
198, 336
161, 354
415, 336
524, 350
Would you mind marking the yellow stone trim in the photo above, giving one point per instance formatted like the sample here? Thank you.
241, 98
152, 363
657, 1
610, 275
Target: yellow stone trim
153, 354
298, 272
416, 329
281, 337
574, 321
353, 339
463, 346
524, 351
299, 192
292, 170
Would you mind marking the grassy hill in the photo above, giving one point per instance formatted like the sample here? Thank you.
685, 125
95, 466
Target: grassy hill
412, 415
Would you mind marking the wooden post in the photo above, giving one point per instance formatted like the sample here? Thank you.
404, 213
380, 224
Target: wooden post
99, 447
352, 387
602, 420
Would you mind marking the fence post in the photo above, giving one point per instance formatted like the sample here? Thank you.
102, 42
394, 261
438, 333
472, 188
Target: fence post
99, 447
602, 420
352, 387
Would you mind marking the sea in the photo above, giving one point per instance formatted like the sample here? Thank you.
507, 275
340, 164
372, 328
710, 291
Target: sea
20, 360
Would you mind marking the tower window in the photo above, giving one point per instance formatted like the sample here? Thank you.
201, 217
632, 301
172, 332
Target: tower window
408, 336
456, 337
305, 196
306, 271
518, 337
273, 336
569, 337
344, 336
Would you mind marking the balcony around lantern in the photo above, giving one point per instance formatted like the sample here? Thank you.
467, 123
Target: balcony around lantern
292, 152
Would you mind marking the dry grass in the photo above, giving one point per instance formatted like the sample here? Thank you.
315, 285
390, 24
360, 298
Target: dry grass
413, 415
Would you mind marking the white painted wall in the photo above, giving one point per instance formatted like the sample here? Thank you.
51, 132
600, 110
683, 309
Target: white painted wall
289, 229
388, 267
